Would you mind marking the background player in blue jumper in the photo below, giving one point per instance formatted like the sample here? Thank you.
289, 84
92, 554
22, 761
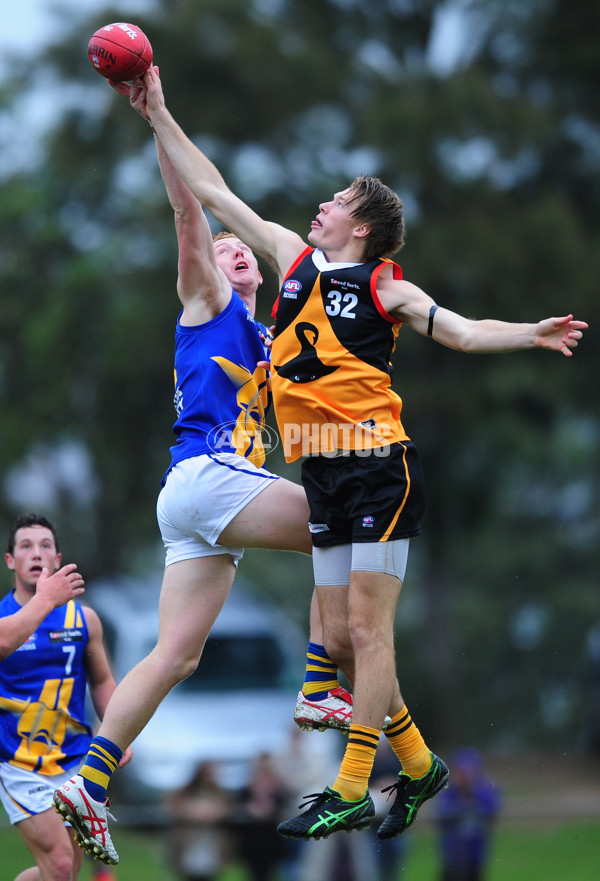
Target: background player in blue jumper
50, 650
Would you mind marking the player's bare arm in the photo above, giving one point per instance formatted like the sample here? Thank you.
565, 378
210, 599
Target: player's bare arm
489, 335
201, 286
413, 306
276, 244
52, 591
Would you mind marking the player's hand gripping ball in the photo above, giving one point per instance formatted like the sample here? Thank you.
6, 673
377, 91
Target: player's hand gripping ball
120, 52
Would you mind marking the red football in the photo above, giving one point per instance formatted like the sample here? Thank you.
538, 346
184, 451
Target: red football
120, 51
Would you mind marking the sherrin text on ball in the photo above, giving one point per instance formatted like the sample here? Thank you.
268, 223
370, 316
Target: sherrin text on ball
120, 51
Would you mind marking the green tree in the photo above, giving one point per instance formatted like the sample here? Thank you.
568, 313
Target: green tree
497, 160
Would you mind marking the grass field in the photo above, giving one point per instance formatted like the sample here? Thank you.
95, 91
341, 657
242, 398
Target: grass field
568, 851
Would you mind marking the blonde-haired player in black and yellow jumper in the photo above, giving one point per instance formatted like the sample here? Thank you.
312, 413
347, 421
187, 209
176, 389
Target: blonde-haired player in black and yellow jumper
341, 304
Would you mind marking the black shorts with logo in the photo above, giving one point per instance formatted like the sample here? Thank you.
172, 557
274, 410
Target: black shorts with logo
364, 497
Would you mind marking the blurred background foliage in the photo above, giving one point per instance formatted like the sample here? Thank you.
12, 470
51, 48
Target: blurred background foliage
491, 135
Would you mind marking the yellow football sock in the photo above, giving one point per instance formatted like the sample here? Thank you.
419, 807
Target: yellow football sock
405, 739
357, 764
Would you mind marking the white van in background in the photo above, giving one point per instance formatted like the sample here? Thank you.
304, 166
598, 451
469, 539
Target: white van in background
238, 703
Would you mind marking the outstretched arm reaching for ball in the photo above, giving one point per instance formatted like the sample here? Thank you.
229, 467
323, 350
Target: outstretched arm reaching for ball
202, 287
276, 244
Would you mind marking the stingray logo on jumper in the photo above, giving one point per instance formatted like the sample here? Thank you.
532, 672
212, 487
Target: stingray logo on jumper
306, 366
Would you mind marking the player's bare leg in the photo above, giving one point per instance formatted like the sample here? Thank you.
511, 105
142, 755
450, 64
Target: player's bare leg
192, 595
276, 519
372, 601
323, 702
333, 613
53, 848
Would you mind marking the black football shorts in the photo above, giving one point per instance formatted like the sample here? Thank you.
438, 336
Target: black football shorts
355, 497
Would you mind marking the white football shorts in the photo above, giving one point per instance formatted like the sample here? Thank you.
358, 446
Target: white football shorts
200, 498
26, 793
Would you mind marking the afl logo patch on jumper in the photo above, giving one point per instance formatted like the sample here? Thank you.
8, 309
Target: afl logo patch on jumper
369, 520
291, 287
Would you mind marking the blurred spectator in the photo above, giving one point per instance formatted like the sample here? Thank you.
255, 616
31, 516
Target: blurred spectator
260, 848
465, 812
389, 855
100, 872
305, 767
199, 842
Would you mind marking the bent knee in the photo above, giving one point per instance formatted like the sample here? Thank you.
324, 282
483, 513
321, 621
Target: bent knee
59, 863
186, 667
339, 647
366, 638
173, 666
